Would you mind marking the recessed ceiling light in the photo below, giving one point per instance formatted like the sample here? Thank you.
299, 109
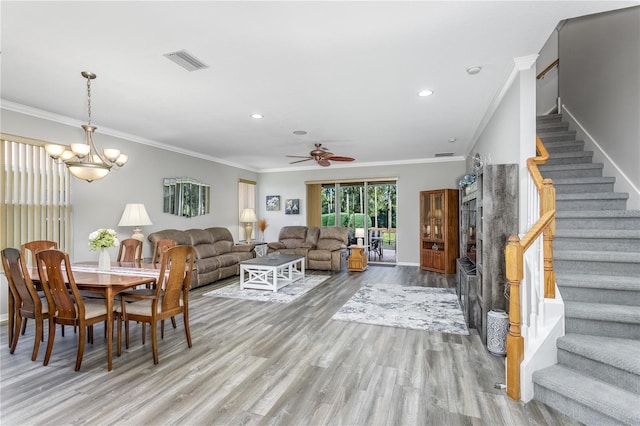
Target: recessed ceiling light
452, 140
299, 132
425, 92
474, 69
257, 116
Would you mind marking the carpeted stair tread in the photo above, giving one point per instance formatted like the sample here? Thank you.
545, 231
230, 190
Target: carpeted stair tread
591, 393
602, 312
620, 353
595, 214
606, 282
597, 256
548, 118
553, 133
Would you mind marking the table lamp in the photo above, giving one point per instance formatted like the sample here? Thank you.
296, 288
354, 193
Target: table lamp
248, 216
135, 215
360, 236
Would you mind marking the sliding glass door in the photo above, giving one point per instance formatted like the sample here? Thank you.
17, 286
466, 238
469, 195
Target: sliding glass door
367, 207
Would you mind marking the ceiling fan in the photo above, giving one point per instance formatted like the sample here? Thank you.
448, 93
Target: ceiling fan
322, 155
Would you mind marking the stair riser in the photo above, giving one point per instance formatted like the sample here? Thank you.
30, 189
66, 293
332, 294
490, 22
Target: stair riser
581, 205
596, 267
602, 328
601, 371
560, 137
598, 223
568, 174
605, 244
595, 295
565, 147
570, 407
573, 188
578, 159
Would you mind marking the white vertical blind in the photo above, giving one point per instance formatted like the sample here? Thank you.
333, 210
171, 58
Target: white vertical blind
246, 200
35, 195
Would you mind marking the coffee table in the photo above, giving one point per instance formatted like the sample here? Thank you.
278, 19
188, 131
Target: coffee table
271, 272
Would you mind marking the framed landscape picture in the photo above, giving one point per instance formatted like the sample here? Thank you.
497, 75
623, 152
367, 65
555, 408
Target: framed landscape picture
292, 206
273, 203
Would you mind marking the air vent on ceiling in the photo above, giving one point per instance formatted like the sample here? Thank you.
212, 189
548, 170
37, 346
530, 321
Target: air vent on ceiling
186, 60
444, 154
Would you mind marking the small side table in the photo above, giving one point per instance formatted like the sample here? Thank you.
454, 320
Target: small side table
357, 259
260, 249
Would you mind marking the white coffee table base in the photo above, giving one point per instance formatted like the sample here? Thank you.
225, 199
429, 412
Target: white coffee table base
271, 277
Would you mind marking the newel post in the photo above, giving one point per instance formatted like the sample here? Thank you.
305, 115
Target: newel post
547, 204
515, 342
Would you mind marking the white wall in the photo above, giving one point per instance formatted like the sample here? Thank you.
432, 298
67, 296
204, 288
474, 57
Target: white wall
600, 86
509, 135
100, 204
412, 179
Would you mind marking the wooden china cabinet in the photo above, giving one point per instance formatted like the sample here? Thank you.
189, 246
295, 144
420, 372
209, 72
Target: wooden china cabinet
439, 230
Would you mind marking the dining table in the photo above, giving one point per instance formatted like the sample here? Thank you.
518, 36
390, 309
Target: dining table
122, 276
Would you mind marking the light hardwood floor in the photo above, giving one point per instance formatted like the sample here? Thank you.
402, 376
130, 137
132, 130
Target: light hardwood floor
272, 364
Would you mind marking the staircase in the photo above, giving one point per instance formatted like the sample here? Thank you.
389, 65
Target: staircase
597, 263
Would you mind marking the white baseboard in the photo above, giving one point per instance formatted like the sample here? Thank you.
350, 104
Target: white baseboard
623, 183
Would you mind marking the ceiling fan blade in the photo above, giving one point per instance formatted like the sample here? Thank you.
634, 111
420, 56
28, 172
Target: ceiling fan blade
300, 161
300, 156
339, 158
324, 162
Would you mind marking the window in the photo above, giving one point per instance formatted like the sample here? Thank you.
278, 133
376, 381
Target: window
35, 193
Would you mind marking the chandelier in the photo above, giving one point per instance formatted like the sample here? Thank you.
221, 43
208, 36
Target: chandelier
83, 160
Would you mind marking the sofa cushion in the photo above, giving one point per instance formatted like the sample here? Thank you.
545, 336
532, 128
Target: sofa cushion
313, 233
292, 236
222, 247
199, 236
324, 255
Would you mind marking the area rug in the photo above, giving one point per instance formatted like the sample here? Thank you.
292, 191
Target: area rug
286, 294
419, 308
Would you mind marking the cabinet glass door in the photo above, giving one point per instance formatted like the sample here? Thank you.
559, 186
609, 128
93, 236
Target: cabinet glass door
437, 215
426, 214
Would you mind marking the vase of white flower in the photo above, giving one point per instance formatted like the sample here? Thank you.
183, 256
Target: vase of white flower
102, 239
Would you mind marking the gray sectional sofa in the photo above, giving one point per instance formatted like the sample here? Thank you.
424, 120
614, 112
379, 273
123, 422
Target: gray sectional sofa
217, 256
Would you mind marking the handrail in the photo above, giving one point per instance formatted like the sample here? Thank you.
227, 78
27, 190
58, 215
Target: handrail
514, 258
547, 69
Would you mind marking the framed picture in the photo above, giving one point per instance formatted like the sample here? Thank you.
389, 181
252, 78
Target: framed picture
273, 203
292, 206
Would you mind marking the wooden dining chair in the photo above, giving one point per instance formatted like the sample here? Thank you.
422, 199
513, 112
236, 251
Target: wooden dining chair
130, 250
63, 297
160, 247
32, 247
27, 300
170, 298
28, 255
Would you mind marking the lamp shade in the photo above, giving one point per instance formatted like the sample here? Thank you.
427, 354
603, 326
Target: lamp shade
135, 215
359, 232
248, 215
